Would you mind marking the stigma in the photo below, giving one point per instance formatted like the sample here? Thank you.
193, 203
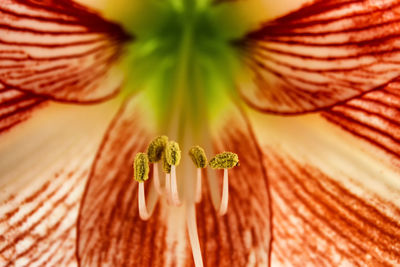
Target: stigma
168, 153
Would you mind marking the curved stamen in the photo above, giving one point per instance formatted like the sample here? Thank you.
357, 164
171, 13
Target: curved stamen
174, 187
143, 212
157, 185
225, 160
223, 208
198, 185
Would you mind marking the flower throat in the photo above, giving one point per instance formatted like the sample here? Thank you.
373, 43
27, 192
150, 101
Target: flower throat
168, 153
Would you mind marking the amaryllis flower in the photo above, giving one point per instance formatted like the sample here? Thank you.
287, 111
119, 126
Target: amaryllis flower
306, 93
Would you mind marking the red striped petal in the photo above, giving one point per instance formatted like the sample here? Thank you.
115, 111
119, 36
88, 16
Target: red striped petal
375, 118
58, 49
43, 171
16, 107
110, 231
321, 55
323, 222
242, 237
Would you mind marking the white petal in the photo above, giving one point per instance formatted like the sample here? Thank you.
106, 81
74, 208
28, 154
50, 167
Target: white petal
43, 168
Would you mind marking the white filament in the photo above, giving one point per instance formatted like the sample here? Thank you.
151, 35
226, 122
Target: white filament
168, 187
157, 185
174, 187
198, 186
225, 194
193, 236
143, 213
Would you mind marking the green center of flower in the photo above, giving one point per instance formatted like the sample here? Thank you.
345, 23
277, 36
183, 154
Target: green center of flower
183, 60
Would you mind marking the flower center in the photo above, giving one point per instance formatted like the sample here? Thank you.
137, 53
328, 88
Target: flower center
169, 153
183, 61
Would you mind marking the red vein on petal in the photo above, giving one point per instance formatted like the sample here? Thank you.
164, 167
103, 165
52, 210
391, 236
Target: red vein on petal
243, 232
109, 228
16, 107
351, 226
323, 54
373, 118
64, 33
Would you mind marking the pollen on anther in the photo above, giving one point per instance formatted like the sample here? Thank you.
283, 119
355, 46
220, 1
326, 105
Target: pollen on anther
224, 160
156, 148
165, 165
141, 167
198, 156
173, 153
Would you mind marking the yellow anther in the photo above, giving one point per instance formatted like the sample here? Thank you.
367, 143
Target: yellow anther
224, 160
198, 156
173, 153
156, 148
166, 166
141, 167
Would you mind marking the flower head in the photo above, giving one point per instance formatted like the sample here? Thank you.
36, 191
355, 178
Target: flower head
321, 167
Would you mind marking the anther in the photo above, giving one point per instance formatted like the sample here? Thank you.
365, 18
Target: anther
173, 157
154, 152
225, 161
141, 174
167, 171
199, 159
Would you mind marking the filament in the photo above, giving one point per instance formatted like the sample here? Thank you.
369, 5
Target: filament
193, 236
198, 185
225, 194
168, 187
143, 212
156, 179
174, 187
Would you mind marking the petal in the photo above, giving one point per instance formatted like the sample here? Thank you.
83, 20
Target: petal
43, 169
110, 231
321, 55
374, 118
16, 107
332, 203
242, 237
58, 49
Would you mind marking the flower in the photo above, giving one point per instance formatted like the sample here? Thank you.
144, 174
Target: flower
318, 181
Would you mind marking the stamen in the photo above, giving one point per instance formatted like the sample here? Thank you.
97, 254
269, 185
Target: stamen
168, 187
223, 208
167, 170
143, 212
173, 153
141, 174
199, 159
198, 156
198, 186
225, 160
157, 184
156, 148
193, 236
141, 167
174, 187
155, 151
173, 156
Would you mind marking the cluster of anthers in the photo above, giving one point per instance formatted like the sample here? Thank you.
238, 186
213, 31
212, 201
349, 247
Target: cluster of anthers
169, 154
